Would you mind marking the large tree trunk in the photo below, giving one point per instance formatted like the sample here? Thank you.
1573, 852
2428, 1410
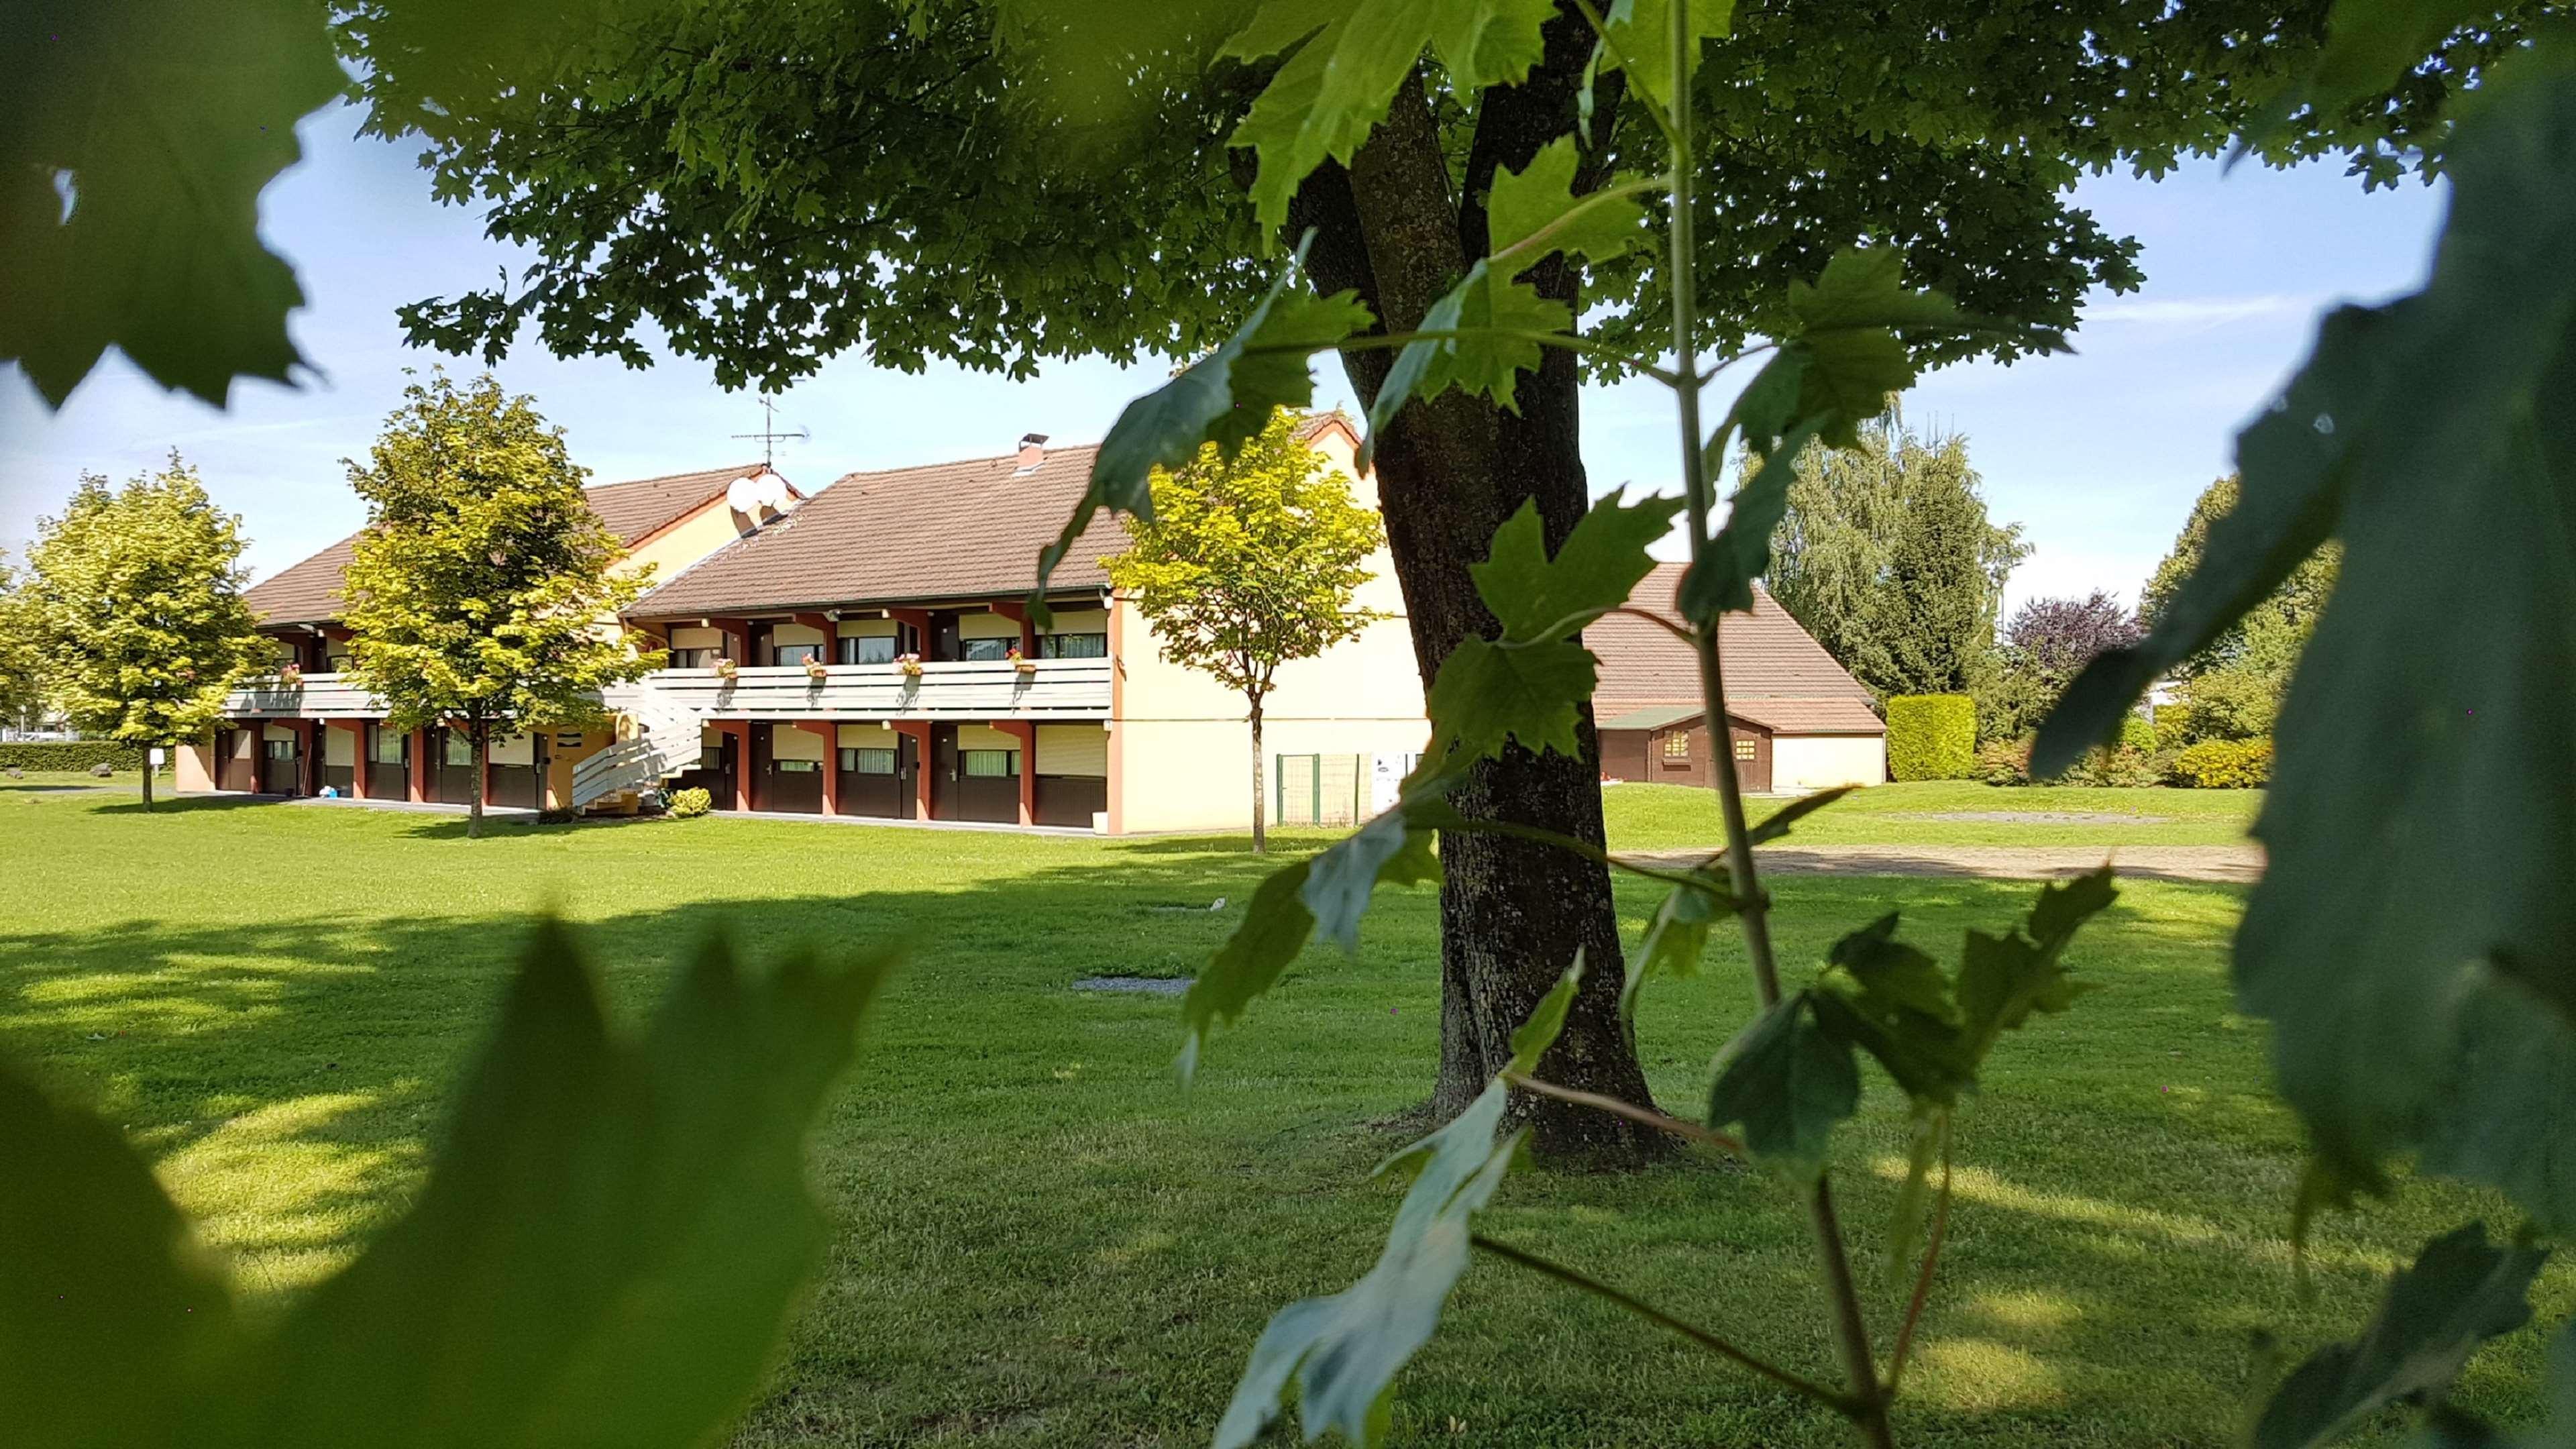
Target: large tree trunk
1449, 471
1260, 836
147, 779
474, 788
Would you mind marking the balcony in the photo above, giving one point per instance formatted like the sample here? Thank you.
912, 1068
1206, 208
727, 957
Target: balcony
1049, 689
316, 696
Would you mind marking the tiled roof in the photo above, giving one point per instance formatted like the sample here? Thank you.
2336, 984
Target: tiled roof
1777, 675
961, 531
308, 591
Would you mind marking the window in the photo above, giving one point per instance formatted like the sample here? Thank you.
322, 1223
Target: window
790, 655
867, 762
798, 767
460, 748
711, 756
989, 764
992, 651
280, 749
1744, 749
385, 746
868, 649
1677, 745
1073, 646
698, 658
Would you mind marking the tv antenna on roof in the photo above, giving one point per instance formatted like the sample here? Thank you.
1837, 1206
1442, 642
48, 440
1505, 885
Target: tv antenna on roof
769, 435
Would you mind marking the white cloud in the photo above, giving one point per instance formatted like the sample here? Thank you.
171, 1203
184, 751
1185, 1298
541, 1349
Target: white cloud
2197, 312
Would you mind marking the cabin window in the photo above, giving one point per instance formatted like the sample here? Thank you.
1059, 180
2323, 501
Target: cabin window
1744, 749
867, 762
1073, 646
989, 764
1677, 745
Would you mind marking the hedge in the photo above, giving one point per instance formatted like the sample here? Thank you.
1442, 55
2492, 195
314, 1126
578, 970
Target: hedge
72, 755
1932, 737
2224, 764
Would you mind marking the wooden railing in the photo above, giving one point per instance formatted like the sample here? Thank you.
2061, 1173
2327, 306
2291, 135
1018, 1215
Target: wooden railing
315, 696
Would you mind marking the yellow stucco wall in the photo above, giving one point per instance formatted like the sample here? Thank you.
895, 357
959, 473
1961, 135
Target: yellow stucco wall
690, 538
1182, 748
1072, 749
987, 626
1801, 763
196, 766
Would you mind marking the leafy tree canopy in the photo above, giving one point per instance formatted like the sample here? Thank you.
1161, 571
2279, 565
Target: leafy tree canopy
1001, 183
477, 591
1887, 557
21, 655
2268, 637
1250, 563
134, 602
2054, 637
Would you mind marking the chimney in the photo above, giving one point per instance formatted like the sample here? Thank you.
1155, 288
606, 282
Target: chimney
1032, 451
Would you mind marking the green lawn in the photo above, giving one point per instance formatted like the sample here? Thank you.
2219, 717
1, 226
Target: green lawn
1046, 1243
1648, 817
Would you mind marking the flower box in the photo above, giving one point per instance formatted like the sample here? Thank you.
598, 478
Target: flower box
910, 664
814, 669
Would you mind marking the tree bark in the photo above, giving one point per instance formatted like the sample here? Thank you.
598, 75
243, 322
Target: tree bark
1449, 471
147, 779
474, 788
1260, 836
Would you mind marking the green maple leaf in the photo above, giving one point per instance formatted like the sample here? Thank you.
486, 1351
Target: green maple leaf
1488, 694
1541, 196
1225, 398
1603, 559
1641, 32
2413, 940
1349, 56
163, 120
1487, 364
1788, 1083
607, 1249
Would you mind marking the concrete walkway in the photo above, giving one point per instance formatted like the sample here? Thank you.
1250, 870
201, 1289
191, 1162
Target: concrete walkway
2225, 864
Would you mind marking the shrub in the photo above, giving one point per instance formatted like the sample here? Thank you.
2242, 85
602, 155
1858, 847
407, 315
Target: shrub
2137, 734
690, 804
2127, 767
2223, 764
1932, 737
2004, 762
72, 755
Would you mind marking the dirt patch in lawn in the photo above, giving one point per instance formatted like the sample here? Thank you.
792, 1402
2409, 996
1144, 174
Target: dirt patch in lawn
2033, 817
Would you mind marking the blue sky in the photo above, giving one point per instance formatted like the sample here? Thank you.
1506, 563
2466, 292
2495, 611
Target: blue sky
2098, 456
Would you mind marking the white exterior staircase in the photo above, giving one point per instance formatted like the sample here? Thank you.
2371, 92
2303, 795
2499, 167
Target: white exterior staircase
664, 742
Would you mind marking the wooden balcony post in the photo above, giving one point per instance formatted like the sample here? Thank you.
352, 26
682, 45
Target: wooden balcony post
417, 786
1026, 731
831, 734
1017, 611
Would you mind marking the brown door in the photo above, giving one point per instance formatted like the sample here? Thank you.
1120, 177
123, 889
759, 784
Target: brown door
943, 772
1751, 750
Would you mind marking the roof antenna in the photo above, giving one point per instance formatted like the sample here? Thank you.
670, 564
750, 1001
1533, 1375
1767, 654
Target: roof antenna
769, 435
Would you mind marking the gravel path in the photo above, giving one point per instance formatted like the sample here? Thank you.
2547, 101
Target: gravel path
2234, 864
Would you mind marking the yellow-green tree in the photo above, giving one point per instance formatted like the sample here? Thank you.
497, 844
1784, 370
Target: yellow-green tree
1250, 564
21, 678
477, 590
133, 601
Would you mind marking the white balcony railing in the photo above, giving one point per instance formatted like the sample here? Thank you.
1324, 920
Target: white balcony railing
315, 696
1051, 689
1048, 689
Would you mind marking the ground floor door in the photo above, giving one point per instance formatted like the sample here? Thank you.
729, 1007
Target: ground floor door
1750, 749
1071, 799
783, 782
237, 762
719, 758
975, 779
518, 773
879, 781
281, 763
451, 761
388, 762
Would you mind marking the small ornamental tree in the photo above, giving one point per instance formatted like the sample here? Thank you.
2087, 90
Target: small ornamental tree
22, 690
478, 589
134, 602
1249, 564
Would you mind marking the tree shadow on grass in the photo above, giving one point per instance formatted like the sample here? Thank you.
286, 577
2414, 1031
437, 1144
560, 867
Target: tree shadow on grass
1035, 1223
